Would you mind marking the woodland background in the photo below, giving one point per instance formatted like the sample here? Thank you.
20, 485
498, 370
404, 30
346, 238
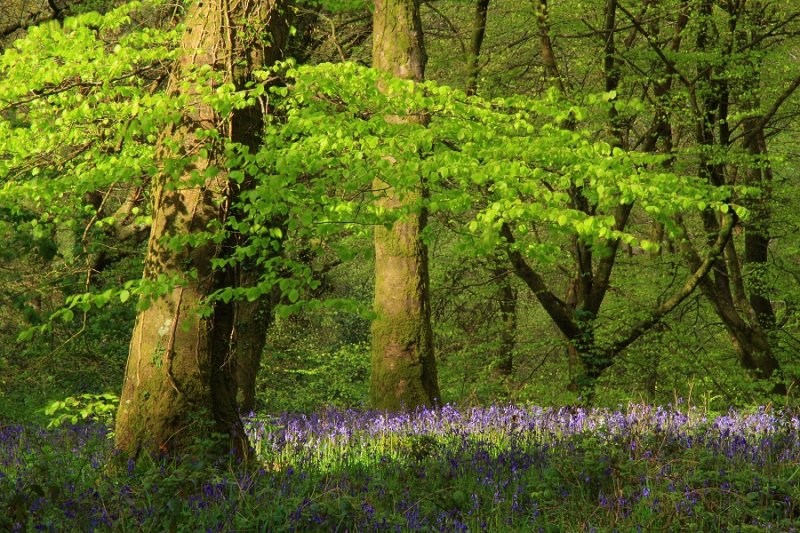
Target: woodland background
704, 89
396, 265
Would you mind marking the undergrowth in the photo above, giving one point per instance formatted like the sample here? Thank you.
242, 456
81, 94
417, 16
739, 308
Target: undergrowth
493, 469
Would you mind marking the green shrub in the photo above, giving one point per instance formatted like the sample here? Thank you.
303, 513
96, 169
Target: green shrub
302, 381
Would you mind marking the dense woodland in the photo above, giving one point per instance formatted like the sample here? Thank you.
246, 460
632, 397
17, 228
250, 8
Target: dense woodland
218, 211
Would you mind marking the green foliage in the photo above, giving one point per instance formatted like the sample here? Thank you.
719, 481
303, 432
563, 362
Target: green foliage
511, 149
97, 407
80, 116
300, 380
83, 106
336, 6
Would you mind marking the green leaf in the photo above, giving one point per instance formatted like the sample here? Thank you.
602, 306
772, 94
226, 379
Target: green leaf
226, 295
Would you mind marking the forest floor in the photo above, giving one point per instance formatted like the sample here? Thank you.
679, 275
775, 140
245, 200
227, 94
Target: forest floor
502, 468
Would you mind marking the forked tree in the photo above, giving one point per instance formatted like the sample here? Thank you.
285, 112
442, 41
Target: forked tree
180, 369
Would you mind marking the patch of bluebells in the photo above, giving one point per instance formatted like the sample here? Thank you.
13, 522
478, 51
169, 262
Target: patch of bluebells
509, 468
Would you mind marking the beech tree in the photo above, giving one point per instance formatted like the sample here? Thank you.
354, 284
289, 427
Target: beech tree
403, 363
730, 81
180, 370
713, 60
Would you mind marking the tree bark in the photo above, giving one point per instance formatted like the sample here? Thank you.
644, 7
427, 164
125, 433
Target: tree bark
546, 47
507, 302
756, 231
17, 15
476, 43
253, 319
403, 365
180, 381
506, 296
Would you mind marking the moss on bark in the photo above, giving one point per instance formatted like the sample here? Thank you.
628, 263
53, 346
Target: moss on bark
403, 365
180, 373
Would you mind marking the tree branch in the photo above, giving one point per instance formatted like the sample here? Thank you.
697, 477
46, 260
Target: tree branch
679, 296
18, 15
671, 67
555, 307
771, 112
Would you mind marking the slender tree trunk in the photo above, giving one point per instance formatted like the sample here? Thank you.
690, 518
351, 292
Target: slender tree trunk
403, 364
180, 377
253, 319
727, 292
546, 46
553, 77
756, 230
476, 43
506, 295
756, 341
661, 130
507, 302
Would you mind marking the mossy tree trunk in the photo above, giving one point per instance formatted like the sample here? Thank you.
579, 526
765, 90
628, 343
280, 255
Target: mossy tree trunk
180, 377
403, 365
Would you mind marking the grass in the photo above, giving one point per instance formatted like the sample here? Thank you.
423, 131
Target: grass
641, 468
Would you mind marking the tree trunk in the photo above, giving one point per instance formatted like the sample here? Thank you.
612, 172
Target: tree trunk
727, 291
478, 32
546, 47
403, 365
17, 15
180, 378
253, 319
756, 230
506, 296
507, 301
577, 326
